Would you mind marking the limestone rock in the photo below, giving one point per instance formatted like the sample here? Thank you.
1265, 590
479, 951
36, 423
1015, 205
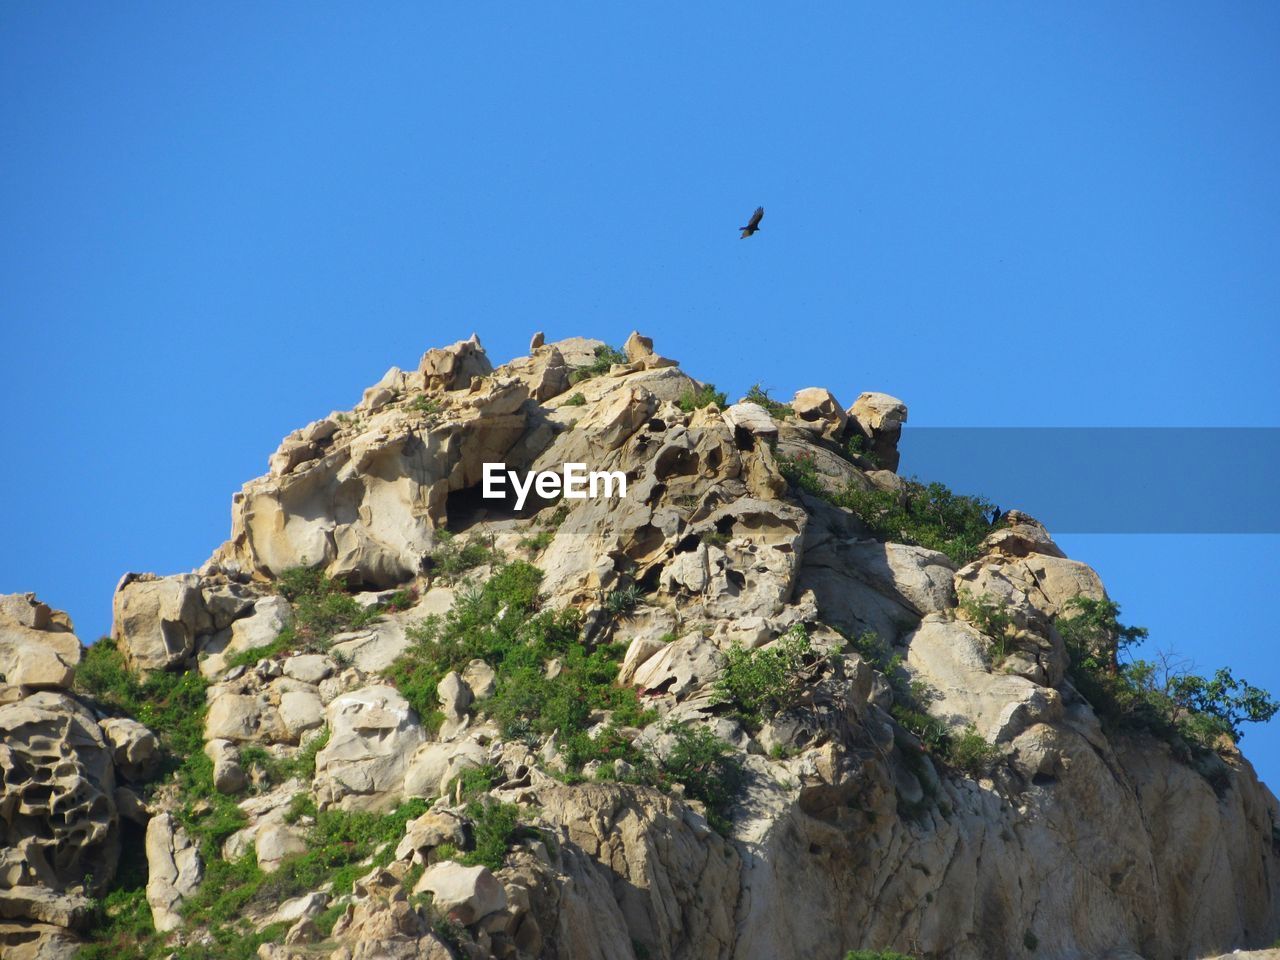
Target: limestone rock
58, 820
135, 749
464, 894
157, 619
454, 367
174, 870
373, 732
752, 418
38, 649
428, 832
308, 667
276, 842
637, 347
228, 775
434, 765
301, 711
819, 407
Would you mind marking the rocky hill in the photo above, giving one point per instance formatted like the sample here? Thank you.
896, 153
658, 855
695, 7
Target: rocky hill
776, 702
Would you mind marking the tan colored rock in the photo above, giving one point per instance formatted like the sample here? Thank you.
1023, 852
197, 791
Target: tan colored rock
156, 619
879, 417
25, 940
819, 407
277, 842
545, 373
578, 351
228, 775
301, 711
464, 894
236, 717
434, 765
637, 347
58, 819
373, 733
135, 749
308, 667
752, 418
38, 649
174, 870
454, 367
428, 832
480, 679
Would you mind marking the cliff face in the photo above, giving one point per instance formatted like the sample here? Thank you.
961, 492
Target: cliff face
892, 771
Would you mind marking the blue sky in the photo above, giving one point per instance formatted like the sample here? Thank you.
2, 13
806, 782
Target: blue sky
218, 222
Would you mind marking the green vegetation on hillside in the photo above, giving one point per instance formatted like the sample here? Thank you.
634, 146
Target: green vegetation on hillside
1160, 698
758, 684
606, 357
927, 515
502, 623
705, 396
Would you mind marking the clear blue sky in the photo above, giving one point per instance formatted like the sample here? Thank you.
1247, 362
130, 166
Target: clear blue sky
221, 221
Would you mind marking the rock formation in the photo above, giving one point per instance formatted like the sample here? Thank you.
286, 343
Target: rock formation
847, 825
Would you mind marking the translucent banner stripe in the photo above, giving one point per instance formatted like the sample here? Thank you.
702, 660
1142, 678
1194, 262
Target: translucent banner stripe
1111, 479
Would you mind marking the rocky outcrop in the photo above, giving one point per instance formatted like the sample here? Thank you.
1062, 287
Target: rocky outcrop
59, 831
373, 733
853, 828
38, 648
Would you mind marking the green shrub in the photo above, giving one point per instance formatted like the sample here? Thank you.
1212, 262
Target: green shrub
1162, 698
577, 400
538, 541
172, 705
761, 683
606, 357
926, 515
518, 646
321, 607
493, 826
970, 753
992, 618
429, 407
452, 557
621, 601
709, 769
759, 395
705, 396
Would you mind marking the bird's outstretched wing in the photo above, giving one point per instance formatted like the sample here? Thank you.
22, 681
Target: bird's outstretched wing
754, 223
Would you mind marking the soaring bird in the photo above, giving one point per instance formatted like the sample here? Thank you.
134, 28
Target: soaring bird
753, 224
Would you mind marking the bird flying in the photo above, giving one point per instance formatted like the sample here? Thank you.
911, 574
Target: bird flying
753, 224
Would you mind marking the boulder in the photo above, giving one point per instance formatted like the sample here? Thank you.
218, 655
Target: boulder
308, 667
463, 894
818, 406
480, 679
373, 733
156, 619
434, 766
637, 347
751, 418
300, 711
57, 796
275, 842
135, 749
228, 775
174, 870
38, 649
454, 367
429, 831
879, 419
